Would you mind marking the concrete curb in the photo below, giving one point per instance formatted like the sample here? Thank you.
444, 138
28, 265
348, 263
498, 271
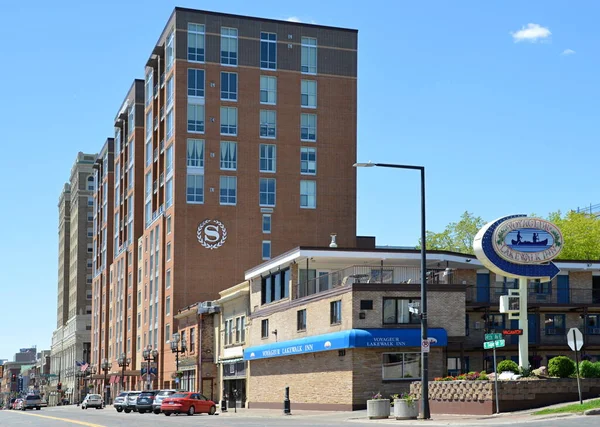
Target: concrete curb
592, 412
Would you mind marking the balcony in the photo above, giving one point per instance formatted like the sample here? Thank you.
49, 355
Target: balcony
490, 295
368, 274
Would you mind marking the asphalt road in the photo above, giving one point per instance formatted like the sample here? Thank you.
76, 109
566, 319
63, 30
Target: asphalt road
72, 415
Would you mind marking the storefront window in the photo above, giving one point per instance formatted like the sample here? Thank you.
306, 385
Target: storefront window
397, 366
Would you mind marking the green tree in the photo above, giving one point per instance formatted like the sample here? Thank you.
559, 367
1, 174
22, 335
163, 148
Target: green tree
581, 233
457, 236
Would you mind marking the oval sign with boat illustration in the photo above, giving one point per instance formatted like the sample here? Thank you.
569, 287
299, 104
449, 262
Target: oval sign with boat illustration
527, 240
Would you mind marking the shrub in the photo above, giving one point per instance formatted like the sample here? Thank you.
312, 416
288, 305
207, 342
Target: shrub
587, 369
482, 376
561, 366
526, 372
507, 366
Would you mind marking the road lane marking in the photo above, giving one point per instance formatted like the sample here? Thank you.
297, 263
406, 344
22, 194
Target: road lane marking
83, 423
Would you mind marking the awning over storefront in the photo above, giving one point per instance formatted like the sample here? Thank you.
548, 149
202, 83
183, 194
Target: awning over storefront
352, 338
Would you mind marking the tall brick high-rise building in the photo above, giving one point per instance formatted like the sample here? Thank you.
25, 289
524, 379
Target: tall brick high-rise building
248, 143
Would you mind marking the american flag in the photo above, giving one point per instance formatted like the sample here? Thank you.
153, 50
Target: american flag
84, 366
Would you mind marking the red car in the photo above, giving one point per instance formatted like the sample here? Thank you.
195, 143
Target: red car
187, 403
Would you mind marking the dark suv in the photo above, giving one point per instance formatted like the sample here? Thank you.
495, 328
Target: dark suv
145, 400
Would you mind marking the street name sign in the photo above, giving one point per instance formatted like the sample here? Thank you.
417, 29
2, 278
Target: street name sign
493, 344
492, 337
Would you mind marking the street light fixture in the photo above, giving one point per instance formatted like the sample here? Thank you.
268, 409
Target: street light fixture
123, 362
148, 354
178, 345
424, 333
105, 367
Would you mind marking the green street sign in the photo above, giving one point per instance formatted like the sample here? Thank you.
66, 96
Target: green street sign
488, 345
493, 337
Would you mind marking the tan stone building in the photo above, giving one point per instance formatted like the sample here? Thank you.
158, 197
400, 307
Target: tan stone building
335, 326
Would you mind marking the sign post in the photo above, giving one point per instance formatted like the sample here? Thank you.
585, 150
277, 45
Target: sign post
523, 248
575, 340
494, 341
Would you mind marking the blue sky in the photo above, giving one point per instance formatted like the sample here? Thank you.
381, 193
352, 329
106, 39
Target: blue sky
498, 100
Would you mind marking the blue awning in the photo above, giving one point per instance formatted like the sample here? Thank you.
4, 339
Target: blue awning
351, 338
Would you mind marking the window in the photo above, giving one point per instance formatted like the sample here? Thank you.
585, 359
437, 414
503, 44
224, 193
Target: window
169, 193
268, 124
195, 82
169, 130
268, 51
555, 324
308, 91
366, 304
228, 190
495, 322
268, 155
169, 160
228, 331
308, 127
169, 224
139, 298
301, 320
397, 366
131, 121
266, 223
264, 328
148, 89
195, 42
228, 155
148, 125
228, 121
228, 86
195, 118
308, 55
593, 327
168, 306
395, 311
229, 46
148, 150
308, 161
169, 50
275, 286
335, 312
195, 188
267, 191
170, 92
308, 194
168, 279
537, 287
167, 332
192, 340
241, 330
266, 249
268, 90
168, 251
195, 153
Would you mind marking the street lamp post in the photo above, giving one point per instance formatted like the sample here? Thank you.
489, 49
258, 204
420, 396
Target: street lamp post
123, 362
178, 345
105, 367
149, 355
424, 333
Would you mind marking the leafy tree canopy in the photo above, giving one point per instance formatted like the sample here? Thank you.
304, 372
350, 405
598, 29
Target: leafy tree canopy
581, 233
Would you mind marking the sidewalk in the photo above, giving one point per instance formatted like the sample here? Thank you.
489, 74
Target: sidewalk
436, 419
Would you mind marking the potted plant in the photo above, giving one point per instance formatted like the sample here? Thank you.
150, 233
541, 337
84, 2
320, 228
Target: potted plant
405, 407
378, 407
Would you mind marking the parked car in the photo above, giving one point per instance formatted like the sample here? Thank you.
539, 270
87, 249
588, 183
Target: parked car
18, 404
162, 394
187, 403
31, 401
120, 402
145, 400
92, 401
131, 400
11, 404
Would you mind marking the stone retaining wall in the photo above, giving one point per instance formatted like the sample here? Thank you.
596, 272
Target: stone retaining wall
477, 397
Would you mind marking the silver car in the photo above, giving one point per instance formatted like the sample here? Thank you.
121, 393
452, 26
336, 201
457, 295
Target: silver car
131, 401
120, 401
92, 401
159, 398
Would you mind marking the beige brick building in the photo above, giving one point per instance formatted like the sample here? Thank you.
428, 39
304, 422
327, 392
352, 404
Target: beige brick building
334, 325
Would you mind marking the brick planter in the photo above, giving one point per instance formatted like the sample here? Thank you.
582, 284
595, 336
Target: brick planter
478, 398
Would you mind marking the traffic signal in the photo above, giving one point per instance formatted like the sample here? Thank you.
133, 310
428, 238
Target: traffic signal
59, 386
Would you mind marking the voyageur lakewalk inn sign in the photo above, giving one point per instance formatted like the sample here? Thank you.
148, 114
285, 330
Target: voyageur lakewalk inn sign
523, 248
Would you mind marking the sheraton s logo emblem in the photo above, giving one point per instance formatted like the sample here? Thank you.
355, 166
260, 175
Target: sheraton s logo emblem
211, 233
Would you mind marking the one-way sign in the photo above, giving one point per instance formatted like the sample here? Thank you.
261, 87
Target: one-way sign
575, 339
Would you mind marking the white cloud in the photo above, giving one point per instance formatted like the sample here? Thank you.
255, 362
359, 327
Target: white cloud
293, 19
568, 52
531, 33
